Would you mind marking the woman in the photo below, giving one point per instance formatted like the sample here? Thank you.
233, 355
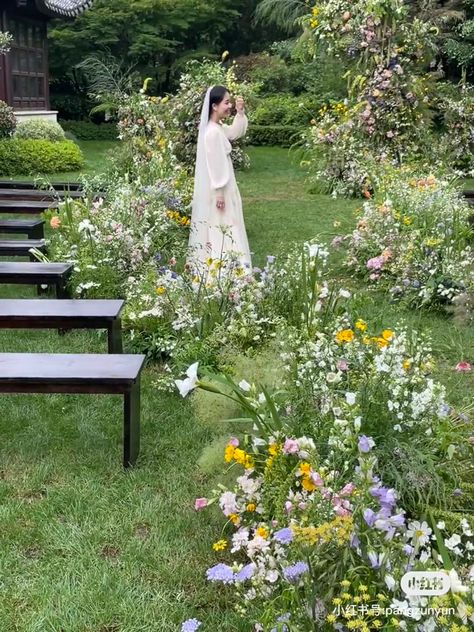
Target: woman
217, 221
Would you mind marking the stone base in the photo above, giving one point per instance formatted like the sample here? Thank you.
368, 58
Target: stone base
28, 115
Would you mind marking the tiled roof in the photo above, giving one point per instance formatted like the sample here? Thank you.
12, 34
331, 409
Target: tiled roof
69, 8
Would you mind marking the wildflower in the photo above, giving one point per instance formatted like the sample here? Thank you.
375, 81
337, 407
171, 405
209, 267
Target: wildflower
220, 573
234, 518
387, 334
406, 364
331, 618
342, 365
290, 446
273, 449
229, 453
245, 573
55, 222
251, 507
361, 325
200, 503
191, 625
283, 536
345, 335
463, 367
187, 385
365, 444
160, 290
419, 531
345, 583
220, 545
262, 532
293, 573
244, 386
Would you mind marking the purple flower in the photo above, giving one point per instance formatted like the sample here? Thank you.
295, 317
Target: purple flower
191, 625
283, 619
220, 573
245, 573
365, 444
385, 496
283, 536
270, 258
408, 549
293, 573
369, 517
375, 560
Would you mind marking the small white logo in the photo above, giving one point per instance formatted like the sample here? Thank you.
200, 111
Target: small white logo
425, 583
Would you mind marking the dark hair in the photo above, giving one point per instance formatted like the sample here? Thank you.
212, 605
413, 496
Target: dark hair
216, 96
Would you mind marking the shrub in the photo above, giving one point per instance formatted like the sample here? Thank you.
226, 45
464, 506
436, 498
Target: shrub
285, 109
283, 135
85, 130
39, 129
7, 120
29, 157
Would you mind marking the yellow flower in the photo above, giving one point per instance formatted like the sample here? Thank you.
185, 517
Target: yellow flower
308, 484
381, 342
160, 290
366, 340
229, 453
248, 462
251, 507
406, 364
336, 601
362, 588
220, 545
345, 583
272, 449
165, 99
407, 220
234, 518
262, 532
331, 618
315, 11
305, 468
209, 261
346, 596
345, 335
361, 325
239, 456
387, 334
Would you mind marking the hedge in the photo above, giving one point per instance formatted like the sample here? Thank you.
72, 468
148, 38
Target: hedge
19, 157
85, 130
282, 135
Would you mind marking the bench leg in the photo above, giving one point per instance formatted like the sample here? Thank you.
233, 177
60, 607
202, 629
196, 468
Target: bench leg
131, 425
62, 290
115, 337
37, 232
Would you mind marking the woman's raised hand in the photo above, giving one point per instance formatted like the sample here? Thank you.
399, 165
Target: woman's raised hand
239, 105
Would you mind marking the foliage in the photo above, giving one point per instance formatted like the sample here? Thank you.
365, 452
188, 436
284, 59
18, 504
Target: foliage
33, 157
272, 135
185, 108
5, 40
455, 104
85, 130
413, 237
285, 109
39, 129
7, 120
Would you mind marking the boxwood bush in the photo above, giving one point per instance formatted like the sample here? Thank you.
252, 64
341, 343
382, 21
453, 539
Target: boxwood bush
40, 129
85, 130
283, 135
31, 157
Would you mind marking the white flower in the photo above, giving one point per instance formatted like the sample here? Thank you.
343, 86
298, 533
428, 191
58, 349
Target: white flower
187, 385
333, 378
239, 540
456, 584
245, 386
390, 582
344, 293
419, 531
272, 576
351, 398
466, 529
452, 542
228, 504
441, 524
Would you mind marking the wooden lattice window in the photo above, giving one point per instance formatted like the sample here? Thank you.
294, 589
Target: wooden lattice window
28, 64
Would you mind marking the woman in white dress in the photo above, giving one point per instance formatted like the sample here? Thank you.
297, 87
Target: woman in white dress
217, 221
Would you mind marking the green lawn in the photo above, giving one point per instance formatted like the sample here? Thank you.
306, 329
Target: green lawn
86, 547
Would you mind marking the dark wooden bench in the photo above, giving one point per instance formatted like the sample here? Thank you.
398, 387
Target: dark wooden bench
34, 207
64, 314
33, 228
36, 194
21, 247
20, 184
80, 373
27, 273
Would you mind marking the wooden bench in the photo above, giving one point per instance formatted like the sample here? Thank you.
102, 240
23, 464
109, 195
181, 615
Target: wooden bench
21, 247
20, 184
65, 314
34, 207
36, 194
27, 273
33, 228
80, 373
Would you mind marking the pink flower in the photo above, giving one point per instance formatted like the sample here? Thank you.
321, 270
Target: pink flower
200, 503
347, 489
375, 263
341, 511
316, 479
234, 442
342, 365
290, 446
463, 367
374, 276
288, 506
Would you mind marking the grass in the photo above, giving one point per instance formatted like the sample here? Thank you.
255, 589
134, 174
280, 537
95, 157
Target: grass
86, 547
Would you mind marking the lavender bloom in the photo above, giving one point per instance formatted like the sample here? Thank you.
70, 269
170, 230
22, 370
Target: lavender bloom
385, 496
284, 618
369, 517
283, 536
408, 549
191, 625
293, 573
270, 258
220, 573
375, 560
245, 573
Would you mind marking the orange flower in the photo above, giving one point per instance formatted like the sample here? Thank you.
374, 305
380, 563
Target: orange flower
366, 194
55, 222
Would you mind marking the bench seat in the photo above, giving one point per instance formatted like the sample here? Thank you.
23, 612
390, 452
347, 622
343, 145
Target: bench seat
29, 273
21, 247
65, 314
33, 228
33, 207
80, 373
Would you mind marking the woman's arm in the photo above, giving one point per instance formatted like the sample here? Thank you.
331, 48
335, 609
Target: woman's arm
238, 127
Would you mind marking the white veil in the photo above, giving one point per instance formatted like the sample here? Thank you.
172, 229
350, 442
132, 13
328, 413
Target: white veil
201, 202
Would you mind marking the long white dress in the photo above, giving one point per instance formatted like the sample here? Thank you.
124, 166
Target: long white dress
218, 233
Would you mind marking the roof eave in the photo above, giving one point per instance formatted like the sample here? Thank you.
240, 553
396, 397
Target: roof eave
61, 8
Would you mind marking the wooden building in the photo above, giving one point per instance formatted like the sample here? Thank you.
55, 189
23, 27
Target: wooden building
24, 80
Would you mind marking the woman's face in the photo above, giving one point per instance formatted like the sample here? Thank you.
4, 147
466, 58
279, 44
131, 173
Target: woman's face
224, 108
